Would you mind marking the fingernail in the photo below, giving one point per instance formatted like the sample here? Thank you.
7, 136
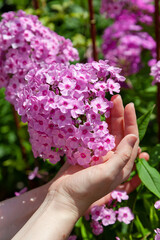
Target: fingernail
115, 97
132, 104
132, 140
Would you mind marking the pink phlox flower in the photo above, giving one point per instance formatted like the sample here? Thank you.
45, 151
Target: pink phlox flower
99, 148
62, 119
93, 117
83, 156
155, 72
59, 138
125, 215
34, 174
67, 86
109, 142
90, 141
157, 204
40, 124
64, 104
70, 130
112, 86
96, 160
77, 108
101, 86
99, 105
117, 238
53, 157
101, 129
84, 131
119, 195
97, 212
97, 228
157, 236
72, 142
21, 191
81, 86
109, 217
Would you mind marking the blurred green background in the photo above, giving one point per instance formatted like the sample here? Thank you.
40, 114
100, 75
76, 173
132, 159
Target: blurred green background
70, 18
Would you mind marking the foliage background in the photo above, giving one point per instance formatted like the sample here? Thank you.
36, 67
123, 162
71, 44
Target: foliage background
70, 18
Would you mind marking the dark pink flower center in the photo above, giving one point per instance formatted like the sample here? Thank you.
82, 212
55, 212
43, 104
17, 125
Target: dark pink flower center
35, 107
108, 140
44, 92
98, 105
83, 155
62, 118
65, 103
70, 130
40, 122
14, 86
75, 107
78, 87
67, 86
101, 148
84, 132
60, 135
51, 126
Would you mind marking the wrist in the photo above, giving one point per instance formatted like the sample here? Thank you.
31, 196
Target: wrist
62, 203
54, 219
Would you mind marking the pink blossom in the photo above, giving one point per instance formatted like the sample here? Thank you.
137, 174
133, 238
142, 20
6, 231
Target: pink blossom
109, 217
97, 228
119, 195
99, 105
34, 174
112, 86
21, 191
83, 156
97, 212
125, 215
157, 204
157, 236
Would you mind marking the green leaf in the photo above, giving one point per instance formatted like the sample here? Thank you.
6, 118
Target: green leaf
141, 229
155, 155
143, 122
149, 176
153, 217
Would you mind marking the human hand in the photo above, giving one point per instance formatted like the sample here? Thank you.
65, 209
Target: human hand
78, 188
116, 123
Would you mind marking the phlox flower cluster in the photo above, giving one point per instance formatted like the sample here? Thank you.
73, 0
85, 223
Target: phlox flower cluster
108, 215
142, 10
26, 44
155, 72
123, 44
64, 106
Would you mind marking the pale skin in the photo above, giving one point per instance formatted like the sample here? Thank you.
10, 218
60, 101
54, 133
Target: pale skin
74, 190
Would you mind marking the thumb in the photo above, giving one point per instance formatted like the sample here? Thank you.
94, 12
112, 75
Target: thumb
122, 154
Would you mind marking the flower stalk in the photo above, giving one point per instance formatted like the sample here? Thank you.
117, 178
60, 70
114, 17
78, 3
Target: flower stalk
93, 29
157, 33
